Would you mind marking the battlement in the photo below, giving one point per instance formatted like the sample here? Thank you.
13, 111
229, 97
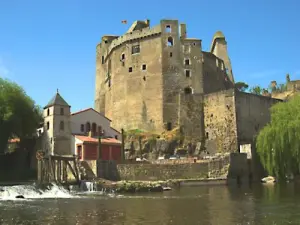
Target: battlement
131, 36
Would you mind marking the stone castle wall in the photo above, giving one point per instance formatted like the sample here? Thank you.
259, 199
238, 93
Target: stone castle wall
233, 118
148, 98
253, 113
220, 121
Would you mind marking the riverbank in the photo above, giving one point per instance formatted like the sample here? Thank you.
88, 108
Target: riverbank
154, 186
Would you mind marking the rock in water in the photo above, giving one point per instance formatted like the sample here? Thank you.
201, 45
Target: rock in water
20, 196
268, 180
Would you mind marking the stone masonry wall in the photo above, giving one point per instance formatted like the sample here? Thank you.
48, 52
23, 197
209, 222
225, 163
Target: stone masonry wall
253, 113
220, 121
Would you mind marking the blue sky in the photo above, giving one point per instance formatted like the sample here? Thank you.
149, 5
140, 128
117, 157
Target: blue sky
45, 45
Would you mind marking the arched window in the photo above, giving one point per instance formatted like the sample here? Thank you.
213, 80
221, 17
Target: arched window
88, 127
48, 112
62, 125
99, 130
170, 41
94, 128
82, 127
188, 90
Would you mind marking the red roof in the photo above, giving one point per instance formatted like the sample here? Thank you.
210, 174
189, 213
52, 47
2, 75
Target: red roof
95, 140
85, 110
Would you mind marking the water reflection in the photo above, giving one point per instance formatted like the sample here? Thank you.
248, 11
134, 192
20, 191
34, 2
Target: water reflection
222, 205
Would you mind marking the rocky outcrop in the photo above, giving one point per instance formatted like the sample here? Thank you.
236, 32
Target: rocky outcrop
150, 146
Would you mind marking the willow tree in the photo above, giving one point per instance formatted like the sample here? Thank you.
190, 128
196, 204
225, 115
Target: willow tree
19, 116
278, 143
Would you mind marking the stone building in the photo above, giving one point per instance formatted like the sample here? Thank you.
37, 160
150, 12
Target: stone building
61, 129
156, 79
153, 77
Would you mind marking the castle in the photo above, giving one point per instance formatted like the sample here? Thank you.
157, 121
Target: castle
156, 79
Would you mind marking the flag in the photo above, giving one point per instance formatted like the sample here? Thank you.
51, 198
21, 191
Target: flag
124, 21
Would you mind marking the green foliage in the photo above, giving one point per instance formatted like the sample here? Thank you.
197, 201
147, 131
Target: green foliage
278, 143
278, 88
256, 90
19, 116
241, 86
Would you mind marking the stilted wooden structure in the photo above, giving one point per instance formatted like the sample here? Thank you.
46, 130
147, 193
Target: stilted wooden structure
55, 168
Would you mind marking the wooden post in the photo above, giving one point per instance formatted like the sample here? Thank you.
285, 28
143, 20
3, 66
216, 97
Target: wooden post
65, 173
59, 170
40, 171
123, 145
99, 148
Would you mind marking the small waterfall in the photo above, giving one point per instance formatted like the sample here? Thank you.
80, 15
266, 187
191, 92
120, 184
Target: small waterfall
88, 186
32, 192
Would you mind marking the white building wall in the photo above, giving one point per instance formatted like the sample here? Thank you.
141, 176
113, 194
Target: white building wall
92, 117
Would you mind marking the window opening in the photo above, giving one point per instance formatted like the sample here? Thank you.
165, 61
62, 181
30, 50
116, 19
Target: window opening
130, 69
188, 73
168, 29
170, 41
135, 49
144, 67
188, 90
187, 62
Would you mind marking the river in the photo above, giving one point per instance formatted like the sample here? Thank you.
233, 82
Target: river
258, 204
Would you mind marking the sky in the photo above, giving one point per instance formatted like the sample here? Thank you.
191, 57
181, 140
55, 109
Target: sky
50, 45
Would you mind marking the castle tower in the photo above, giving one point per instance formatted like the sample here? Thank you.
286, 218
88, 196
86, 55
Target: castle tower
219, 49
57, 131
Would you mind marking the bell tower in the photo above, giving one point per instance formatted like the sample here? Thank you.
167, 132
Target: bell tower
57, 129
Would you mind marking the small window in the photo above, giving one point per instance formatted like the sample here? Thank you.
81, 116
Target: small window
130, 69
102, 59
48, 112
169, 126
170, 41
187, 62
187, 73
88, 127
99, 130
206, 135
62, 111
144, 67
123, 56
105, 41
168, 29
82, 127
109, 83
194, 43
62, 125
48, 125
116, 137
135, 49
188, 90
171, 54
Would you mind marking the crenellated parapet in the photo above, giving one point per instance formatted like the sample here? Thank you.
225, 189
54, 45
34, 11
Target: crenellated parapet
132, 36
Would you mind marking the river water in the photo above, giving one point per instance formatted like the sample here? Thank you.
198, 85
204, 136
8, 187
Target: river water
258, 204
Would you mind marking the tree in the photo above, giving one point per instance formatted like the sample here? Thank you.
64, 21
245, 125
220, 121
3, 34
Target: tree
256, 90
19, 116
241, 86
278, 143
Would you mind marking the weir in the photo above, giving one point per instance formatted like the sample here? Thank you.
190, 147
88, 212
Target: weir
54, 168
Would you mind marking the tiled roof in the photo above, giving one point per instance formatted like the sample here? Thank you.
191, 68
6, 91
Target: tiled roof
85, 110
57, 100
95, 140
